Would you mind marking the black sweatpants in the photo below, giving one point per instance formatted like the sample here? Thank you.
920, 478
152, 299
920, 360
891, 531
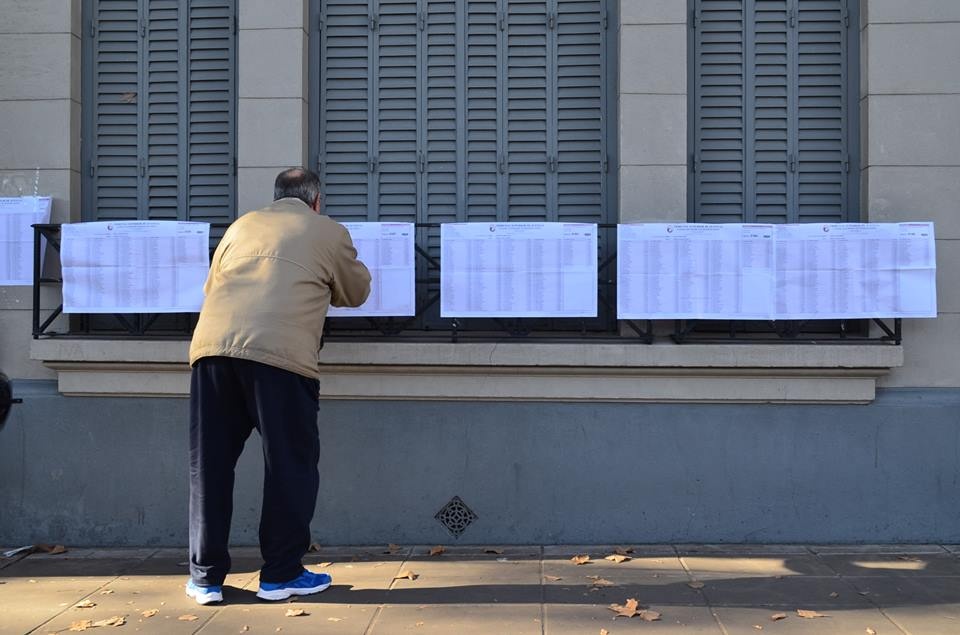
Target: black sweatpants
230, 397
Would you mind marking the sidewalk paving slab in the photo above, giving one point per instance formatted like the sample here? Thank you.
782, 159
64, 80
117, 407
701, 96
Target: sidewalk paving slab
500, 590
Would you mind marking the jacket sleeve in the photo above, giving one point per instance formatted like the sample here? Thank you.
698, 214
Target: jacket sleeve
215, 262
351, 279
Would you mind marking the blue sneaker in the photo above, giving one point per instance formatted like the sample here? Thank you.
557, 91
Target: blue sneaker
204, 594
305, 584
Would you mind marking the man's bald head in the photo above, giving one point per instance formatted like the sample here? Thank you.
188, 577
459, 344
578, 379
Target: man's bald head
298, 183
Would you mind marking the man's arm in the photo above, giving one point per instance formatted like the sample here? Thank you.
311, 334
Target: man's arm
216, 260
351, 279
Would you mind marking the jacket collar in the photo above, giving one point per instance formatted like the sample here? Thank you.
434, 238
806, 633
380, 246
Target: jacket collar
291, 204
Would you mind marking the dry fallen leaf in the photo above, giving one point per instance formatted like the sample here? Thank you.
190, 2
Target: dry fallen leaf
580, 559
244, 628
295, 613
436, 551
106, 592
491, 550
128, 98
810, 614
649, 616
870, 631
392, 548
406, 574
776, 617
314, 547
324, 564
45, 548
758, 627
81, 625
334, 619
84, 604
623, 551
604, 631
598, 581
188, 618
116, 620
628, 609
419, 624
150, 612
617, 557
552, 578
696, 584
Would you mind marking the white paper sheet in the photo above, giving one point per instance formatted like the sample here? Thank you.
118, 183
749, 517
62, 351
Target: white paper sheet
387, 249
795, 272
694, 271
134, 266
17, 214
518, 270
856, 270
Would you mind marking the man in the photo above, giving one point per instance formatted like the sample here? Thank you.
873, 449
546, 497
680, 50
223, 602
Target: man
254, 358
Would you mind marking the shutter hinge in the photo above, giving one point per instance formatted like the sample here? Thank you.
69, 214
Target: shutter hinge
374, 22
792, 162
846, 163
93, 28
502, 163
422, 20
319, 163
421, 162
234, 27
695, 18
846, 17
694, 164
605, 163
605, 20
143, 167
552, 20
552, 164
320, 23
91, 170
793, 18
372, 164
502, 21
233, 164
143, 28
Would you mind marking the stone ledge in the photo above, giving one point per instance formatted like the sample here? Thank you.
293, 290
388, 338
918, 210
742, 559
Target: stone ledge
578, 372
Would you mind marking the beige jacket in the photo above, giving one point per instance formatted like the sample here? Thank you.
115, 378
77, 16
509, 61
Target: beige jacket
272, 278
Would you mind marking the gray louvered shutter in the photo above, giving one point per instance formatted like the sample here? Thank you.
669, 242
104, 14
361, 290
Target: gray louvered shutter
159, 133
112, 139
771, 127
581, 153
824, 188
211, 112
768, 186
162, 121
484, 138
396, 111
345, 59
529, 155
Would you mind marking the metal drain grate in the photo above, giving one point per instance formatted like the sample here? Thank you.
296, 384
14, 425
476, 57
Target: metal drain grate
456, 516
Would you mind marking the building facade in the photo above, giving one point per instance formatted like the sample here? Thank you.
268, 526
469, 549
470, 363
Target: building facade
436, 111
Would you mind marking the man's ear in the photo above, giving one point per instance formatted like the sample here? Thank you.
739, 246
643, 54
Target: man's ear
316, 204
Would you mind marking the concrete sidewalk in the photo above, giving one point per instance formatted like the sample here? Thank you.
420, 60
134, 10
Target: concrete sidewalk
716, 590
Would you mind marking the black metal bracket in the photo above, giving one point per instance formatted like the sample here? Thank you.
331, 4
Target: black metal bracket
780, 331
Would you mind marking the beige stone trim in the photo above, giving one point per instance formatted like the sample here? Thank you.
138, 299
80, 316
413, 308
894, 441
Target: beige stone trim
735, 373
